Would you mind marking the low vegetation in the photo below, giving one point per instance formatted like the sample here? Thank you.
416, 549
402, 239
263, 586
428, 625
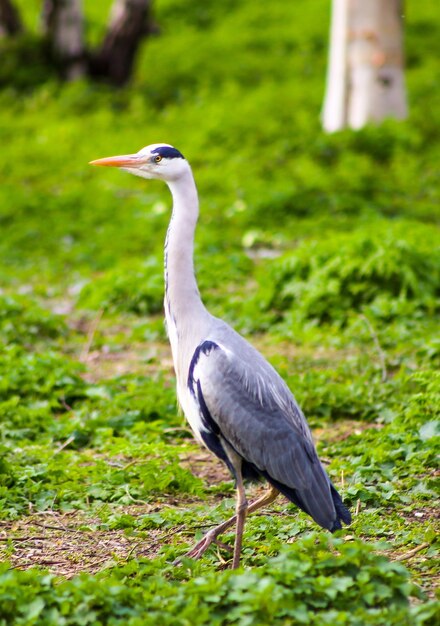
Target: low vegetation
322, 249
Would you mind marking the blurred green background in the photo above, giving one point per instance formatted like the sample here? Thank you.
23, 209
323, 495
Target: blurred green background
238, 88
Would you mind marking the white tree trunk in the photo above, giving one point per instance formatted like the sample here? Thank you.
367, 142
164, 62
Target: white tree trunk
334, 112
365, 80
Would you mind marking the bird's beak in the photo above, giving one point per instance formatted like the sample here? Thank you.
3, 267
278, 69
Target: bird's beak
125, 160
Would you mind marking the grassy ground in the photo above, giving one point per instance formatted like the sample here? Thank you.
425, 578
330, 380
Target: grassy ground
323, 250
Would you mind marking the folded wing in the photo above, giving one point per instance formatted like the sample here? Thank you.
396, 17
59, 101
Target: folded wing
245, 403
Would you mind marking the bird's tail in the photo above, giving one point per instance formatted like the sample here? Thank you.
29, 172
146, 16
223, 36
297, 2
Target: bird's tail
326, 507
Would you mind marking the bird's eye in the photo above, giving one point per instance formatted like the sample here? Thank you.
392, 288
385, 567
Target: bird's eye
158, 158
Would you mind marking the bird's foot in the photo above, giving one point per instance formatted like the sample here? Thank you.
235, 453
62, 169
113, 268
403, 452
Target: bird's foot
201, 546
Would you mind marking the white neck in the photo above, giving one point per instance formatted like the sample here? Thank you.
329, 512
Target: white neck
182, 298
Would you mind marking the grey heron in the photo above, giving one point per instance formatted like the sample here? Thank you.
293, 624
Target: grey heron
235, 402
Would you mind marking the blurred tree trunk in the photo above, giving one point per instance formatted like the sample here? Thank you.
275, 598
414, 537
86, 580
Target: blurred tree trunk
365, 79
10, 22
64, 29
130, 22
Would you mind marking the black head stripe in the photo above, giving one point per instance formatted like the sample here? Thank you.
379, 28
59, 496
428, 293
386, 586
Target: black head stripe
167, 152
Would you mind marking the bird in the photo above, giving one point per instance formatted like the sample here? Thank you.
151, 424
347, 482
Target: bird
235, 402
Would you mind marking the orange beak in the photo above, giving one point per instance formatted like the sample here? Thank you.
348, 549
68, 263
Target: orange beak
125, 160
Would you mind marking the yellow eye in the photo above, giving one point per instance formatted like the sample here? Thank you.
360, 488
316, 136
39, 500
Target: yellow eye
158, 158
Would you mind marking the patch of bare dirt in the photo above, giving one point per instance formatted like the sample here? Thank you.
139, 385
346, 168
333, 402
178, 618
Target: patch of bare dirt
73, 542
424, 513
299, 356
341, 429
67, 544
142, 358
203, 464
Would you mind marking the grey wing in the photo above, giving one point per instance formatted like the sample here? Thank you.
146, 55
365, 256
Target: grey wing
245, 402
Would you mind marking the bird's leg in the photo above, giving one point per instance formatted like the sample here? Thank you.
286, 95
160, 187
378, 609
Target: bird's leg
266, 498
201, 546
240, 513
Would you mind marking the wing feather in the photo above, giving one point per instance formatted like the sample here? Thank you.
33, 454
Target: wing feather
254, 411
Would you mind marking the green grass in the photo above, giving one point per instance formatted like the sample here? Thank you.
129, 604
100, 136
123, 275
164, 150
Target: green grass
309, 583
323, 249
